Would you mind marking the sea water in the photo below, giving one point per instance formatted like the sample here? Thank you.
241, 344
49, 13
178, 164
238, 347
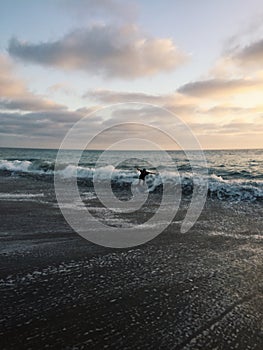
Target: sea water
232, 175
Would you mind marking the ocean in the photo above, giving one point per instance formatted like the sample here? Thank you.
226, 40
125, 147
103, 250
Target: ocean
198, 289
234, 175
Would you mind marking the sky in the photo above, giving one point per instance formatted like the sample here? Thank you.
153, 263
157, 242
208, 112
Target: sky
134, 62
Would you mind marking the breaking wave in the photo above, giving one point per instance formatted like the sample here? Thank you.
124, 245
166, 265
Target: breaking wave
234, 189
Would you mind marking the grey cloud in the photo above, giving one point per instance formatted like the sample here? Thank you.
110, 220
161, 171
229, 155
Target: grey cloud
142, 113
29, 104
17, 124
55, 123
110, 96
216, 87
170, 102
250, 54
105, 50
251, 29
136, 131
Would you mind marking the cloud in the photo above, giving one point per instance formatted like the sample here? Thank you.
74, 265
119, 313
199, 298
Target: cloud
250, 30
50, 127
10, 86
250, 55
111, 96
48, 123
219, 87
30, 104
104, 50
233, 128
25, 116
174, 102
15, 95
240, 61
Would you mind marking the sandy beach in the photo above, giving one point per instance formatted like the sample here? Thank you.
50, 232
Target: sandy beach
199, 290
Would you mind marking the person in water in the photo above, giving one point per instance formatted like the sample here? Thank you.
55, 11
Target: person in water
143, 174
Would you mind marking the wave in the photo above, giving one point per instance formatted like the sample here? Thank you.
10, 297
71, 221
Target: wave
15, 165
235, 189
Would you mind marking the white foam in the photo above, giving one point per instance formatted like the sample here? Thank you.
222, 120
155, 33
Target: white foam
15, 165
20, 195
235, 235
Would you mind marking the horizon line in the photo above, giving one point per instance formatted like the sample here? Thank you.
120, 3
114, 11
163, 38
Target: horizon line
131, 150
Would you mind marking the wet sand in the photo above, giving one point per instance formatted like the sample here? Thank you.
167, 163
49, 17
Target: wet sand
199, 290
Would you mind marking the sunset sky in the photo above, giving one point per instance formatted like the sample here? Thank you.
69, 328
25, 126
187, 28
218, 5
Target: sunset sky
201, 60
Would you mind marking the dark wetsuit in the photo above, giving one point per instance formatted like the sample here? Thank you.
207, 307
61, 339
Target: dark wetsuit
143, 173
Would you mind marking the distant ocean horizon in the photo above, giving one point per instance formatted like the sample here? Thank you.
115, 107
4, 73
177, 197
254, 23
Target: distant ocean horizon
103, 149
